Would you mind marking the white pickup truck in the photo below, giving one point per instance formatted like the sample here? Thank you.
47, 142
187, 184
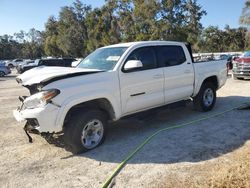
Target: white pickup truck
113, 82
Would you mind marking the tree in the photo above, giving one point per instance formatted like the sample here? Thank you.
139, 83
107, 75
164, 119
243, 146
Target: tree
172, 20
194, 27
230, 39
79, 29
103, 28
51, 47
32, 47
247, 39
245, 15
67, 36
211, 40
20, 36
146, 25
9, 48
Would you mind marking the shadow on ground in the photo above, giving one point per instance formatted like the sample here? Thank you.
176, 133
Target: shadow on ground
194, 143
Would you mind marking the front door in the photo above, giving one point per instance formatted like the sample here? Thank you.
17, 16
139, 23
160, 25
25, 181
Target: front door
143, 88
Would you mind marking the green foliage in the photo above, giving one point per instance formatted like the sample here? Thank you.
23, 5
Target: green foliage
247, 39
22, 45
215, 40
79, 29
245, 15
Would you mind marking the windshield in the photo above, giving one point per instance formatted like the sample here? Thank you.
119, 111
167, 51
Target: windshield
103, 58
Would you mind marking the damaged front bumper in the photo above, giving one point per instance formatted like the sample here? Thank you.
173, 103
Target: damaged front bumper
39, 120
29, 128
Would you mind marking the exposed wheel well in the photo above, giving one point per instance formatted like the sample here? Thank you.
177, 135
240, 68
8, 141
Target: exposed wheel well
102, 104
10, 65
213, 80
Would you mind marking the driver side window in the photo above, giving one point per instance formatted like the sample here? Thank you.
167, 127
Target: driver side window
146, 55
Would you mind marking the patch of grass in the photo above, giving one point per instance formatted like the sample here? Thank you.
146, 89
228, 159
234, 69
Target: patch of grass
226, 171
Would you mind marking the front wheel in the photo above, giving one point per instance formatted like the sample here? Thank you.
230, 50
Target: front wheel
85, 130
206, 98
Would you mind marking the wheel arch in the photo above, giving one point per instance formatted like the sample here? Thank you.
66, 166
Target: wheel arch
102, 104
10, 65
213, 80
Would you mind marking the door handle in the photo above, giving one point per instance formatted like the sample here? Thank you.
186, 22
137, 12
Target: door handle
157, 76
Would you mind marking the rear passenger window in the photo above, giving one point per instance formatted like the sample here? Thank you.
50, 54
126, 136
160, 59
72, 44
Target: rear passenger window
146, 55
170, 55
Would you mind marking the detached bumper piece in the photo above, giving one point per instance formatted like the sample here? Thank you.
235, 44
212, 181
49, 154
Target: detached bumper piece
30, 127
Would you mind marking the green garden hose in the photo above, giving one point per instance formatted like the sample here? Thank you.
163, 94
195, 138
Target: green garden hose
132, 154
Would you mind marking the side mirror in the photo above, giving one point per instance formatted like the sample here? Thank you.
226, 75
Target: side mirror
132, 64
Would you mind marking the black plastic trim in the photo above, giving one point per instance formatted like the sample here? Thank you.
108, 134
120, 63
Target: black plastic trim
136, 94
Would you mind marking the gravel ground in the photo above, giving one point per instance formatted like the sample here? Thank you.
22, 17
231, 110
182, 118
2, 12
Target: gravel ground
187, 157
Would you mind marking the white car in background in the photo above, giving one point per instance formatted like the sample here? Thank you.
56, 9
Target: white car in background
13, 63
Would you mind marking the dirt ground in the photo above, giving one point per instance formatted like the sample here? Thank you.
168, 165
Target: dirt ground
211, 153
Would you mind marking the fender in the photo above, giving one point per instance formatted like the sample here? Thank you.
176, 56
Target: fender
81, 98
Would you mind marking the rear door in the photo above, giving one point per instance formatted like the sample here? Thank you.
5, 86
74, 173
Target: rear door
178, 72
143, 88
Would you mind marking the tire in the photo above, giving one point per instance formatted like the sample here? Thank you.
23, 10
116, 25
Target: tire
237, 78
76, 132
2, 74
205, 100
20, 71
11, 66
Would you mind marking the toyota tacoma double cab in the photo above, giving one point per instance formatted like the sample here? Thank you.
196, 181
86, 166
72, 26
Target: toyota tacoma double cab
113, 82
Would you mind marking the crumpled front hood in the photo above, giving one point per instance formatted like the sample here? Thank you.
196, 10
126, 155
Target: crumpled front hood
45, 74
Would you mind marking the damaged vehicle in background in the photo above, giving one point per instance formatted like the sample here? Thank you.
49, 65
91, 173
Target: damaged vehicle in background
111, 83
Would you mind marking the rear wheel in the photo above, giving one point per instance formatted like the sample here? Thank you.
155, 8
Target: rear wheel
206, 98
2, 73
85, 131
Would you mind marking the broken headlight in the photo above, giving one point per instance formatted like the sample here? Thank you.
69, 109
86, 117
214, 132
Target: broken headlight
40, 99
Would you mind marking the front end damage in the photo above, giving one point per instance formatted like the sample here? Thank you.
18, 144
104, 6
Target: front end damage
30, 127
39, 119
40, 110
31, 124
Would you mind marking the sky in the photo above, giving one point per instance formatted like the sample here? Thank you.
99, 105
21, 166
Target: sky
16, 15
